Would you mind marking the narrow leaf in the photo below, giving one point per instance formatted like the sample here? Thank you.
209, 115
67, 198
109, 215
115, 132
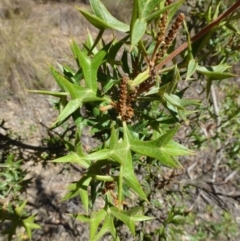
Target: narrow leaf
105, 21
73, 158
192, 66
95, 220
173, 8
101, 12
71, 107
175, 149
52, 93
138, 31
215, 72
173, 100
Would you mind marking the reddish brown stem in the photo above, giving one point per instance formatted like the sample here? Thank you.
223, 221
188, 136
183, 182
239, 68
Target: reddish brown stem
198, 35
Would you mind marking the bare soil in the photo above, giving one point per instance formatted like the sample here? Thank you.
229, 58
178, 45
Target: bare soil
27, 118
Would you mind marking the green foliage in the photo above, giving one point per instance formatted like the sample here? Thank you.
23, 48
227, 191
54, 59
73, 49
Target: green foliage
12, 207
134, 106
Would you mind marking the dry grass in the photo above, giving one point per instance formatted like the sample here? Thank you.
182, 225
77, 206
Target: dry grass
31, 37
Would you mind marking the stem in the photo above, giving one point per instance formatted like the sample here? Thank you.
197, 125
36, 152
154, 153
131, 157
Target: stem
120, 187
219, 151
206, 29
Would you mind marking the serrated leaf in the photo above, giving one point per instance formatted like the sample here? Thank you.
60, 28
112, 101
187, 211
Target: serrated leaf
90, 44
128, 173
119, 150
79, 188
188, 102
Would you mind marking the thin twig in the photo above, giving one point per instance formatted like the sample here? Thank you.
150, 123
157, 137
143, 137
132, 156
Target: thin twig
219, 150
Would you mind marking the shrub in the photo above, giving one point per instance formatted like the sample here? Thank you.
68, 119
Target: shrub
131, 93
12, 206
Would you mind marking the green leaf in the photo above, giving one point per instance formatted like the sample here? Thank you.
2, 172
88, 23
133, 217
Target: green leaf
173, 100
76, 51
82, 185
52, 93
74, 90
89, 65
138, 31
104, 154
175, 149
83, 218
102, 18
108, 227
192, 66
19, 209
29, 225
124, 217
173, 8
129, 217
70, 108
189, 102
101, 12
95, 220
85, 95
128, 172
167, 137
216, 72
132, 181
135, 13
116, 46
119, 149
141, 77
147, 7
94, 20
79, 188
152, 149
90, 44
73, 158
